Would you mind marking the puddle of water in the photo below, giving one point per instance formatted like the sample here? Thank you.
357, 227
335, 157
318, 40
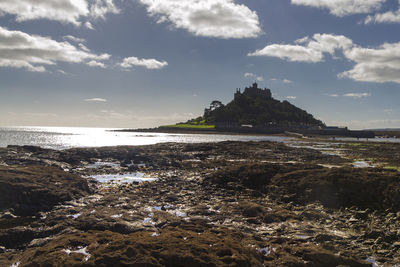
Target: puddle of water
303, 236
123, 178
264, 251
361, 164
148, 220
180, 213
79, 250
330, 166
116, 216
100, 164
74, 216
373, 262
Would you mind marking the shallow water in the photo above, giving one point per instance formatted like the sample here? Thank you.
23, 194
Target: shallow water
65, 137
123, 178
362, 164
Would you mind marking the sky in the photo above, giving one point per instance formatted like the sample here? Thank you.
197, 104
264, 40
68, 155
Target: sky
144, 63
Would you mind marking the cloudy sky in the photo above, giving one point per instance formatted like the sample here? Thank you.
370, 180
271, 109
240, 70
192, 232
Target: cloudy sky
141, 63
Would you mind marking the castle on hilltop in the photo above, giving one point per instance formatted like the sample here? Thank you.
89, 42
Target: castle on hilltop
254, 91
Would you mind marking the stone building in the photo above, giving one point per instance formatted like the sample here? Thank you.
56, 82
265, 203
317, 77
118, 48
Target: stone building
254, 91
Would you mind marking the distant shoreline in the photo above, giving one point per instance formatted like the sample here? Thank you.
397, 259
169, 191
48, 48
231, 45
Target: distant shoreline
298, 136
194, 131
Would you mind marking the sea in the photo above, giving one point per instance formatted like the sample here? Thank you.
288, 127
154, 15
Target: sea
70, 137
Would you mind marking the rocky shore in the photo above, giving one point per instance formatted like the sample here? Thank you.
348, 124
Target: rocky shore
209, 204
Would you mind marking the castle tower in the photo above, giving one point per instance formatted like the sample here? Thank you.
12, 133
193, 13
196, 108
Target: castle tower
268, 93
238, 93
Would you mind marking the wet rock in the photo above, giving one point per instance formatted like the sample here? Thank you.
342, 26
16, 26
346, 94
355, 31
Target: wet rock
341, 187
255, 193
254, 176
171, 198
222, 204
7, 216
17, 237
251, 209
30, 189
171, 247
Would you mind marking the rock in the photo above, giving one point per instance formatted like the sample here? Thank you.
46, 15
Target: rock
30, 189
8, 215
324, 238
396, 244
250, 209
171, 247
340, 187
40, 242
171, 198
235, 204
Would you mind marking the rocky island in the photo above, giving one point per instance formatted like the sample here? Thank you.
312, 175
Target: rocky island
207, 204
255, 111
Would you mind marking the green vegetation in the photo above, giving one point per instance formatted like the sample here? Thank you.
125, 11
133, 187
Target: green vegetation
189, 126
392, 168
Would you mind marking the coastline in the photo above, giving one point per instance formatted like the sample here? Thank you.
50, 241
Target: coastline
314, 137
260, 132
194, 131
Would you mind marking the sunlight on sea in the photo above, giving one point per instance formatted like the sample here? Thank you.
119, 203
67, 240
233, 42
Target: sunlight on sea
68, 137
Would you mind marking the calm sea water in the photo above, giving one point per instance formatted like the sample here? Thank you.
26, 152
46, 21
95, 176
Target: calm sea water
66, 137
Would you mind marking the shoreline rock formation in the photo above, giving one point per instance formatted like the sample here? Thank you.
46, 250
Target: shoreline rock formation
213, 204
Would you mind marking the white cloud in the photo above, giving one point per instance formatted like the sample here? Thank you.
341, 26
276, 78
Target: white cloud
332, 95
291, 97
342, 8
74, 39
357, 95
130, 62
281, 81
309, 50
100, 8
33, 52
290, 53
94, 63
386, 17
83, 47
209, 18
350, 95
380, 65
253, 76
89, 25
65, 11
62, 72
302, 40
96, 99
